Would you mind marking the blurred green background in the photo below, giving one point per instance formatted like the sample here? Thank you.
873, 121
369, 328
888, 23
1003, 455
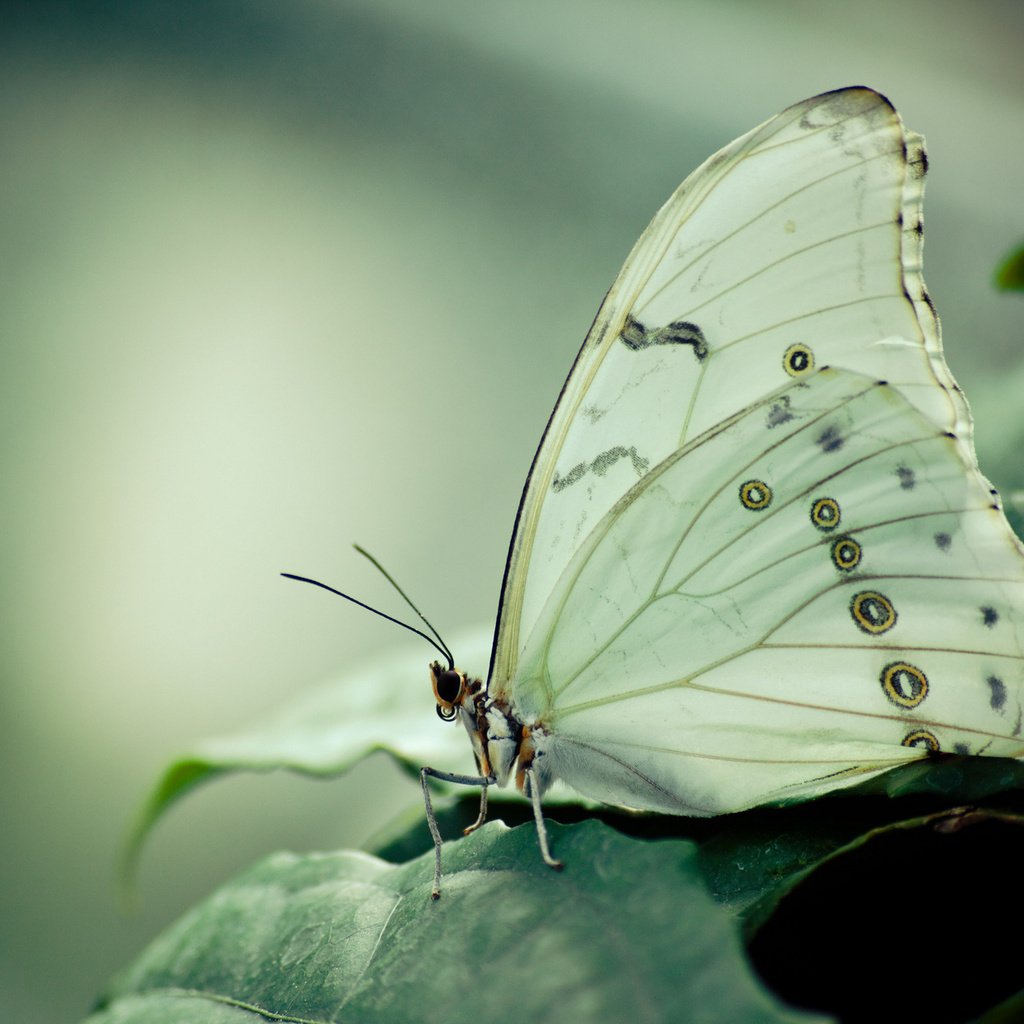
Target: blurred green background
277, 277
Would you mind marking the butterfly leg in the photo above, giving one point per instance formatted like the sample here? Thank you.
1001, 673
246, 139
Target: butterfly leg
482, 816
435, 833
533, 791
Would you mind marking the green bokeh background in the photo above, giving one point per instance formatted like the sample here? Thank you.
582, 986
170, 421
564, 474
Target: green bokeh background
277, 277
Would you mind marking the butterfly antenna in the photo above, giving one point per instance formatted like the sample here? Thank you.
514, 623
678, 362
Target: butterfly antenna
405, 597
376, 611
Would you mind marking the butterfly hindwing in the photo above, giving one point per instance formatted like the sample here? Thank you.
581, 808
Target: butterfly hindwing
772, 606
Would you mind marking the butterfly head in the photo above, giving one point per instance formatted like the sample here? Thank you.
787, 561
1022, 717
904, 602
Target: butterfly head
451, 688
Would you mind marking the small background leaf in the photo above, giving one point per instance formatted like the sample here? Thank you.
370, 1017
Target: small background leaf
1010, 273
327, 731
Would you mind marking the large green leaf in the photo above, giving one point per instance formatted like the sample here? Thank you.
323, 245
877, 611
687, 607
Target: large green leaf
626, 932
758, 866
822, 890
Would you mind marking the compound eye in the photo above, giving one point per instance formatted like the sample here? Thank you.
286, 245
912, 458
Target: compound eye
449, 689
448, 686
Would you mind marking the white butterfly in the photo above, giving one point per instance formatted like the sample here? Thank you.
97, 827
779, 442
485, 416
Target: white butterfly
755, 557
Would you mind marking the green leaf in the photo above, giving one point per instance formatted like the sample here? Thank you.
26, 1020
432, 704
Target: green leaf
626, 932
764, 868
757, 865
821, 889
1010, 273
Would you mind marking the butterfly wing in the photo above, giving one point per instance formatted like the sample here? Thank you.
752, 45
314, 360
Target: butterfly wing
795, 248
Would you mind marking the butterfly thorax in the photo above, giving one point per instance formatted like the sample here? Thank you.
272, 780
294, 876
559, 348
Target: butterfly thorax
497, 736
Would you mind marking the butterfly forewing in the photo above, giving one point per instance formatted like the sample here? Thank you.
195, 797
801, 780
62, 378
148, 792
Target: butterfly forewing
791, 249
